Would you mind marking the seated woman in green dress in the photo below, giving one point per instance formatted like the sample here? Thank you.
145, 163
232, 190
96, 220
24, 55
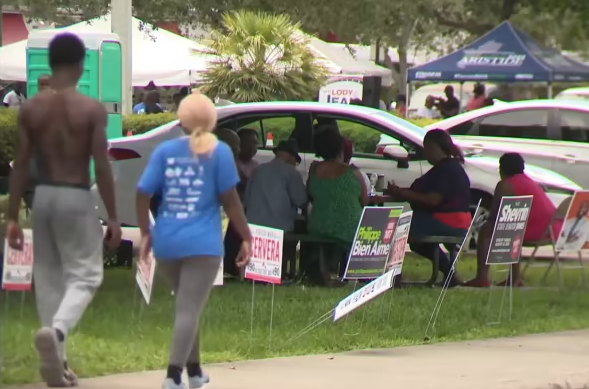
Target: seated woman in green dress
337, 192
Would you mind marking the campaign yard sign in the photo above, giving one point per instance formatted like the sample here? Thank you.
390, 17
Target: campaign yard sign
266, 257
508, 233
372, 243
341, 90
398, 250
146, 271
17, 273
360, 297
574, 236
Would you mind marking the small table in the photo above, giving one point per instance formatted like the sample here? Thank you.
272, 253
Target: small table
379, 200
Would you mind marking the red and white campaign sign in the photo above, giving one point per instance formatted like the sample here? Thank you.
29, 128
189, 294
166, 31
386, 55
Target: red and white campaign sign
18, 265
266, 259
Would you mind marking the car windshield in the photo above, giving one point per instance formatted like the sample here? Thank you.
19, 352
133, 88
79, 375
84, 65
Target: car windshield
399, 122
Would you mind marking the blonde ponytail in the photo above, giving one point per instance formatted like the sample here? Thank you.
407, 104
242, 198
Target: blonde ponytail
202, 142
198, 115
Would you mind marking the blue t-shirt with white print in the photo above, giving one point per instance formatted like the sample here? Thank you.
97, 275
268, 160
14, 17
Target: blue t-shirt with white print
188, 221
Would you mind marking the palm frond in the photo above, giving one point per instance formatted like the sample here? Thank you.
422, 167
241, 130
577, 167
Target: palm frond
257, 56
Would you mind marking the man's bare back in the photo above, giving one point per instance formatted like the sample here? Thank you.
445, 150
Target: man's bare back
65, 129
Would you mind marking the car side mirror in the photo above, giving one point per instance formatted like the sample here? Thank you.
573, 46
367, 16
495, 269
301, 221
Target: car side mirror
395, 152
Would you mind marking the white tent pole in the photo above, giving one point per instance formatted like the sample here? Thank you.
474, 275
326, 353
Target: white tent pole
122, 24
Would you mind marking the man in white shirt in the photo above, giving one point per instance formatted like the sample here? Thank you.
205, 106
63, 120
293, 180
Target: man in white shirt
428, 111
14, 98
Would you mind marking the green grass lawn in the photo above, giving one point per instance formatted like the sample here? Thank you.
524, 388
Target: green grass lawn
120, 334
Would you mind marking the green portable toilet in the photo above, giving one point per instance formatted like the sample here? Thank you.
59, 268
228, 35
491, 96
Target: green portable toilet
102, 77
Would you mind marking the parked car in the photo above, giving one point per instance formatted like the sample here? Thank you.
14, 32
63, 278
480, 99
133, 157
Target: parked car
581, 93
553, 134
402, 162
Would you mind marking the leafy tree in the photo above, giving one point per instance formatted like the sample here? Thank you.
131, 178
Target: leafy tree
557, 23
261, 57
150, 11
400, 24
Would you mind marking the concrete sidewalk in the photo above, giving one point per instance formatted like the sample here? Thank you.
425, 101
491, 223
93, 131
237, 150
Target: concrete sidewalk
530, 362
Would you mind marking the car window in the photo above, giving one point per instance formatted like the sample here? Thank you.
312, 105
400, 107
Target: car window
279, 127
282, 126
528, 124
574, 125
461, 128
366, 135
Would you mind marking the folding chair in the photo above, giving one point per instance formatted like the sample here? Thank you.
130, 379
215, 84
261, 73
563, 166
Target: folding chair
560, 213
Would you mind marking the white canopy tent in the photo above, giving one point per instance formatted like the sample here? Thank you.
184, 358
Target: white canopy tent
340, 62
169, 59
158, 55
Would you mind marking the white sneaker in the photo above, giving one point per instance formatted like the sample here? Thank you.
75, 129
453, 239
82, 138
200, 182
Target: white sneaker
198, 382
170, 384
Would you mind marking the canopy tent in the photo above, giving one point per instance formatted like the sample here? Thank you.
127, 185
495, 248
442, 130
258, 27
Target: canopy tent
340, 62
158, 55
169, 59
504, 54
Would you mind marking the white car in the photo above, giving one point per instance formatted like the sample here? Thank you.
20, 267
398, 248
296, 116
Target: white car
553, 134
403, 162
581, 93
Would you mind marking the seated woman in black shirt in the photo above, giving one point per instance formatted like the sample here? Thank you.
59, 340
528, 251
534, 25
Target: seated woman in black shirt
440, 199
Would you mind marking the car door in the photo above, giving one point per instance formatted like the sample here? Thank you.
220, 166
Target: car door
530, 132
572, 159
365, 156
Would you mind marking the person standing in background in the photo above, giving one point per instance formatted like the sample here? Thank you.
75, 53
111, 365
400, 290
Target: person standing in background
479, 98
428, 111
15, 98
450, 106
179, 96
401, 106
150, 104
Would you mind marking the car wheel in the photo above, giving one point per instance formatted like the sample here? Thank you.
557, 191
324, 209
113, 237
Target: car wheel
486, 201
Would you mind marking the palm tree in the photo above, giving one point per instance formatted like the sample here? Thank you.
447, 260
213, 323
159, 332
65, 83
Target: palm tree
261, 57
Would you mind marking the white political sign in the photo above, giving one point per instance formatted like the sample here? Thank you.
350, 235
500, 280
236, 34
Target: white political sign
360, 297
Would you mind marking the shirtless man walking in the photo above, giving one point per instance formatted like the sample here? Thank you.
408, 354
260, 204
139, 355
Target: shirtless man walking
63, 130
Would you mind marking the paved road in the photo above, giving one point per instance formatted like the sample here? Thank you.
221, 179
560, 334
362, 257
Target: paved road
531, 362
132, 234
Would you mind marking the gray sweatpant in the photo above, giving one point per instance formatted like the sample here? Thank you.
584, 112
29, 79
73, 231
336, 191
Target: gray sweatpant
191, 280
67, 250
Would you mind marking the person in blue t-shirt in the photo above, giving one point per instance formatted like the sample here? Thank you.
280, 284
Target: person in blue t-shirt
196, 176
150, 104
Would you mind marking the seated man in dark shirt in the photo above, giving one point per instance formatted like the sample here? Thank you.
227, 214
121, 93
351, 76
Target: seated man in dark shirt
440, 199
450, 106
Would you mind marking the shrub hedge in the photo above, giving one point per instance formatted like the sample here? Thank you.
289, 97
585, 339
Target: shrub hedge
364, 140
